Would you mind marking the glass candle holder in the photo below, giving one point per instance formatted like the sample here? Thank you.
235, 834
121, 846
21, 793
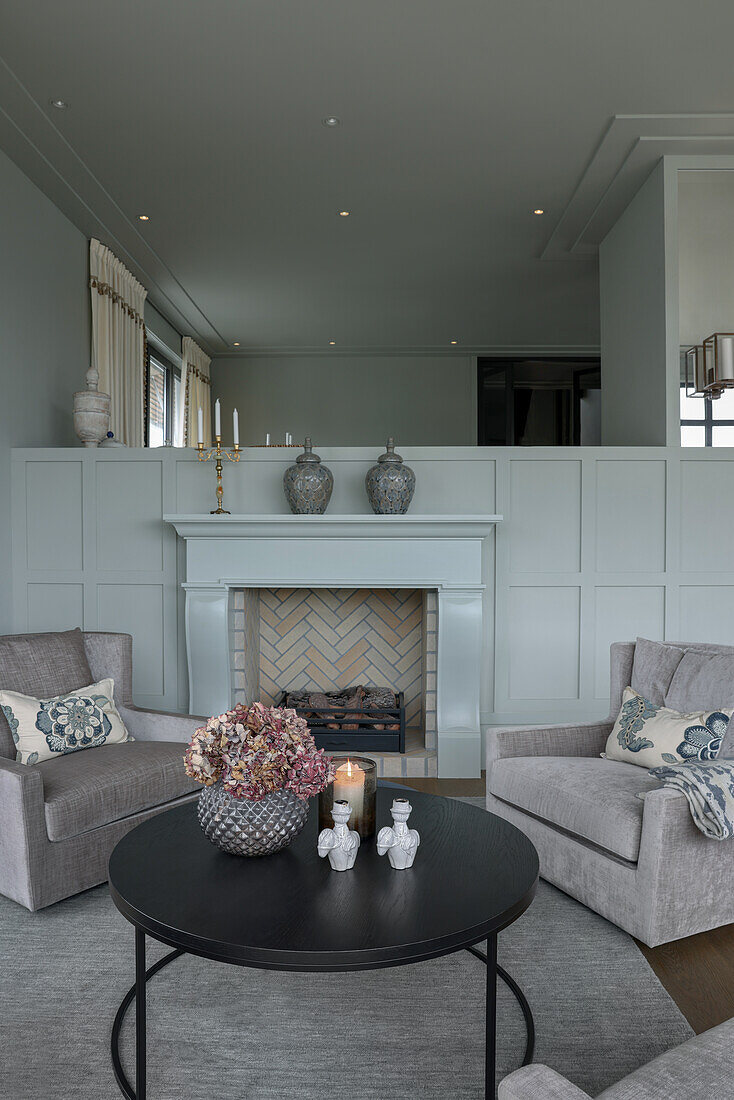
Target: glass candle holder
356, 783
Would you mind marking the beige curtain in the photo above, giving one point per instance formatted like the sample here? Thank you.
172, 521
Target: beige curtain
197, 393
118, 341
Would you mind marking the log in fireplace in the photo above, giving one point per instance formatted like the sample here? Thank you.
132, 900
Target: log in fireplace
357, 719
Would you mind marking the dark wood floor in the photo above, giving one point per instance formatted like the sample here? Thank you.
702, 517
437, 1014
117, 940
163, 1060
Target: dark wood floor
698, 972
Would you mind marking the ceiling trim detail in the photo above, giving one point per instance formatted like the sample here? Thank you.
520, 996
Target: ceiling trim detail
428, 350
628, 151
34, 143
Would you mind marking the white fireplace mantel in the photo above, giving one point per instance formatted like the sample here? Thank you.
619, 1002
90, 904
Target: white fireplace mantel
441, 552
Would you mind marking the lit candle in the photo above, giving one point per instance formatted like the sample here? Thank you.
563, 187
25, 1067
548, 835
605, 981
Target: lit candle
201, 426
217, 419
236, 427
349, 785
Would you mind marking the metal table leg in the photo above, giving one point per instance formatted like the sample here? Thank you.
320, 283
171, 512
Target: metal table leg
140, 1007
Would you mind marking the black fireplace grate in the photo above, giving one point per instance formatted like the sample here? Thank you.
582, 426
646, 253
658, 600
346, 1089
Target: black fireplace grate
353, 729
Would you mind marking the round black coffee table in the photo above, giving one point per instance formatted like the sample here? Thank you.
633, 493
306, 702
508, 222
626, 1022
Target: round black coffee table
474, 875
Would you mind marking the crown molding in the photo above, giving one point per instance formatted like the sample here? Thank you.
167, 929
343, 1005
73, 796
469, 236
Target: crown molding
628, 151
423, 350
31, 139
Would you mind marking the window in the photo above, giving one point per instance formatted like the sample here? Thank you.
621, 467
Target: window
705, 423
163, 393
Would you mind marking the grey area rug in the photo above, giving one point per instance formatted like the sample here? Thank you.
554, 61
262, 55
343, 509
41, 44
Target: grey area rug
401, 1033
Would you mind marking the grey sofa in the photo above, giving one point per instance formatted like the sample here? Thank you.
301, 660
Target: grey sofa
700, 1069
641, 864
61, 818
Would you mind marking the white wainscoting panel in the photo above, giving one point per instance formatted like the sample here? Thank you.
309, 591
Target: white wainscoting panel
137, 609
624, 612
630, 516
55, 536
56, 606
706, 515
597, 545
129, 508
707, 613
539, 490
543, 647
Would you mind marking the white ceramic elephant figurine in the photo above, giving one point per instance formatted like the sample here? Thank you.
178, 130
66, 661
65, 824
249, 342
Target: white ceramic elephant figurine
341, 843
400, 842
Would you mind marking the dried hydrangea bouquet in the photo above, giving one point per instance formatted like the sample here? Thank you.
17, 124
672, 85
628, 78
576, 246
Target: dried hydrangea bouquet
259, 766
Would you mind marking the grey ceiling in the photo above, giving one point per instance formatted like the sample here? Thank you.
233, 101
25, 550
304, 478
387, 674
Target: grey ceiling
458, 119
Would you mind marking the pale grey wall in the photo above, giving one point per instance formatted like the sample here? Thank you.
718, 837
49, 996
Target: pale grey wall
45, 332
705, 254
162, 328
351, 401
632, 277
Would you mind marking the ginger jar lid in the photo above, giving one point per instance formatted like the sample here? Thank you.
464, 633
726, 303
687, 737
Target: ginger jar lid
307, 456
390, 456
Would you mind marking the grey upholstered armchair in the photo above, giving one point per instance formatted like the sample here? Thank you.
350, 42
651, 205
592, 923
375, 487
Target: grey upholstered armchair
699, 1069
61, 818
642, 864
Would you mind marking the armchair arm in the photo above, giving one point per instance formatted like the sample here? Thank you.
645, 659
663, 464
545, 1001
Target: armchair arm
22, 829
587, 739
538, 1083
158, 725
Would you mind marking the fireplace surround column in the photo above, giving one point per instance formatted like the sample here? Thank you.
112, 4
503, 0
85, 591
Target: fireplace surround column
459, 681
207, 648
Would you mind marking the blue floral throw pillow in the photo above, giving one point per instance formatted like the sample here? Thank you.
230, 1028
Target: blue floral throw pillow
44, 728
650, 735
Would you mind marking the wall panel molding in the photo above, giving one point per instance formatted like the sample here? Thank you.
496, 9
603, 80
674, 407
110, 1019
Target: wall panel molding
636, 541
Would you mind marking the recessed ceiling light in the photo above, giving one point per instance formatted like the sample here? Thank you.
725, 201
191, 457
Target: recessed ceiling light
331, 120
344, 213
59, 104
143, 218
539, 211
236, 344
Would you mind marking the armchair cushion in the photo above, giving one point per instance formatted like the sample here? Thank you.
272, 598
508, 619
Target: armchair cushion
590, 798
42, 665
538, 1082
85, 790
702, 680
700, 1069
653, 669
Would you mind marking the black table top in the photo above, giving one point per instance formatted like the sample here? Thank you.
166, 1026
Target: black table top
473, 875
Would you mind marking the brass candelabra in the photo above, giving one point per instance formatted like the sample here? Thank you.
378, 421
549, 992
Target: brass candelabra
218, 452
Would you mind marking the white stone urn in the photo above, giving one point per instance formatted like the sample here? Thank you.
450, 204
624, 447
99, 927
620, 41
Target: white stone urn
91, 412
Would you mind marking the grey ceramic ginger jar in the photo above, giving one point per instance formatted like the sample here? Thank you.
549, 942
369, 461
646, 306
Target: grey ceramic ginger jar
246, 828
390, 484
308, 484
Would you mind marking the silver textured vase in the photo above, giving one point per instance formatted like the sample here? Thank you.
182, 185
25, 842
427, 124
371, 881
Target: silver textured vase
246, 828
390, 484
307, 483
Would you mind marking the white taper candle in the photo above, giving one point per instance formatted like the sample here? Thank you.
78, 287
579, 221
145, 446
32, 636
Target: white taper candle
217, 418
236, 427
200, 425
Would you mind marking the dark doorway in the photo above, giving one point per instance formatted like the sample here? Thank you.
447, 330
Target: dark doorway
532, 402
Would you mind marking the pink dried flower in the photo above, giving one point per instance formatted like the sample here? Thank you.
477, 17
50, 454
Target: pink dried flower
255, 750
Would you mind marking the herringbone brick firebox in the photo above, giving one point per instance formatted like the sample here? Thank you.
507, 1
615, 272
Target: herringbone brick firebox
332, 638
